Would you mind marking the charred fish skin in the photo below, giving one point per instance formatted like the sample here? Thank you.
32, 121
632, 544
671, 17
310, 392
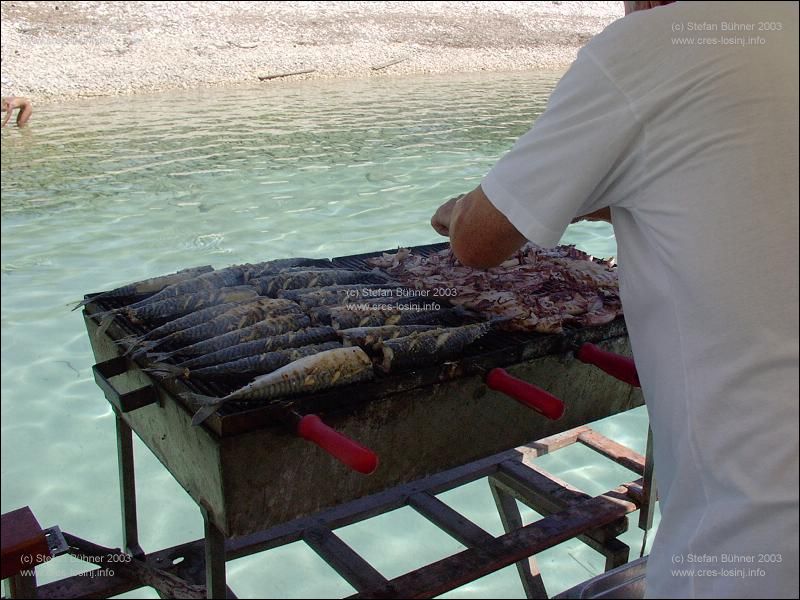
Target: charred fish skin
272, 267
293, 339
332, 368
260, 364
367, 337
149, 286
185, 322
390, 316
228, 277
429, 346
187, 303
266, 328
270, 285
237, 317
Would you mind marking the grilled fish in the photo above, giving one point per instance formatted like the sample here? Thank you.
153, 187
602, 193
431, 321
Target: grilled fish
237, 317
270, 285
178, 306
428, 347
259, 364
327, 369
149, 286
293, 339
267, 328
367, 337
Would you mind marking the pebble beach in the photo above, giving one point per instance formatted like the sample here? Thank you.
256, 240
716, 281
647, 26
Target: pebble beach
56, 51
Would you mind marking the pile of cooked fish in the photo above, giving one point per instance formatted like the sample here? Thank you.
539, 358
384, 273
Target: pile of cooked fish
302, 325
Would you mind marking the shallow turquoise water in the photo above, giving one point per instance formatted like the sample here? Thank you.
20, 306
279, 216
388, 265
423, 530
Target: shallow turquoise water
104, 192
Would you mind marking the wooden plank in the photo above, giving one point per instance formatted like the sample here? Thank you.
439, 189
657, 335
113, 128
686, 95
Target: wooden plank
469, 565
527, 569
559, 440
350, 565
615, 451
449, 520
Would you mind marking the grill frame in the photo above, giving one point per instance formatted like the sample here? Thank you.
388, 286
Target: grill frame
249, 472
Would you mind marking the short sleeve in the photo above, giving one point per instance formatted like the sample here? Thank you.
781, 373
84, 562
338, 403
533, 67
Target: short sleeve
574, 159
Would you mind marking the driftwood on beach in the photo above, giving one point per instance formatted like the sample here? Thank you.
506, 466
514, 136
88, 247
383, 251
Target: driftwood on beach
388, 64
277, 75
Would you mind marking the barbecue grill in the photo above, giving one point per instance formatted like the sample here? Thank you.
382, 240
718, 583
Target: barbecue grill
248, 470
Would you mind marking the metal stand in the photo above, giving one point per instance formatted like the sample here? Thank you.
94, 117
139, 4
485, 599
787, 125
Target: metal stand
597, 521
127, 487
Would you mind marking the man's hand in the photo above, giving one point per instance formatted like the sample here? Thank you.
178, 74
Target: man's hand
441, 218
480, 235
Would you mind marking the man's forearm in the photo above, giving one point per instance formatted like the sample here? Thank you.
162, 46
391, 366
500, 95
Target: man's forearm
480, 235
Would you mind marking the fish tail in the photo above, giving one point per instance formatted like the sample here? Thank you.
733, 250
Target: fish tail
130, 343
159, 357
168, 370
105, 322
210, 406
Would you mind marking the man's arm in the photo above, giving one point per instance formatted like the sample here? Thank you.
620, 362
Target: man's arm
6, 109
480, 235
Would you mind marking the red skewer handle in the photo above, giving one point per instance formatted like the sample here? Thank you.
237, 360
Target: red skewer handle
616, 365
342, 448
526, 393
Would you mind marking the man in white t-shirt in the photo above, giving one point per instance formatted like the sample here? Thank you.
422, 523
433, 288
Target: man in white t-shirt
683, 120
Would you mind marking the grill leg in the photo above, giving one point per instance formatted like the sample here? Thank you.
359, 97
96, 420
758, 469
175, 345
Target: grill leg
529, 573
21, 585
127, 488
216, 586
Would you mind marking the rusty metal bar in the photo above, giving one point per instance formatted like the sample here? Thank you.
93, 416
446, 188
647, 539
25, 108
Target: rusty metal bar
546, 494
528, 570
21, 585
127, 487
216, 585
454, 571
448, 520
344, 560
617, 452
510, 474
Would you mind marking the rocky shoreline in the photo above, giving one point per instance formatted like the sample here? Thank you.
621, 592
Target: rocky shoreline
54, 51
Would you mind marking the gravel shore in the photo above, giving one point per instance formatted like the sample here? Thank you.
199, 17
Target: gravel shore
62, 50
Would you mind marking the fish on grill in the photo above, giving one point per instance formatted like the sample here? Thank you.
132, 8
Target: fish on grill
142, 343
258, 364
262, 329
427, 347
340, 366
283, 341
148, 286
368, 337
233, 275
394, 315
178, 306
237, 317
313, 297
272, 284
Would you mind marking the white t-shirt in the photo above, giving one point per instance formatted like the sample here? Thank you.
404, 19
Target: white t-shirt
694, 145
